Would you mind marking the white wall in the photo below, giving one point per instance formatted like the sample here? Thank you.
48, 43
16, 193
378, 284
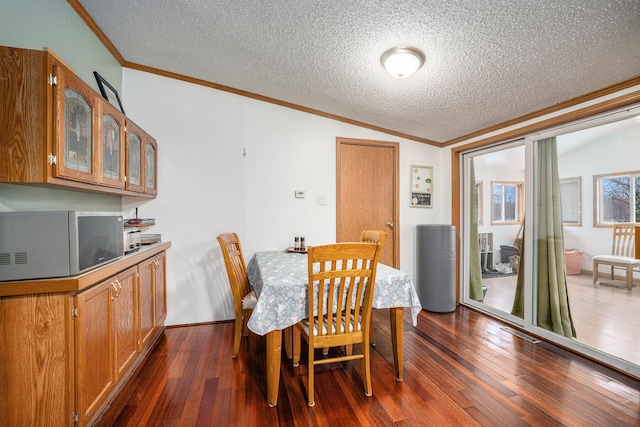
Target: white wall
206, 185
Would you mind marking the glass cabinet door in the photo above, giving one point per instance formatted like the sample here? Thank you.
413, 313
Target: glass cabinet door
77, 132
74, 143
150, 169
135, 165
111, 146
134, 162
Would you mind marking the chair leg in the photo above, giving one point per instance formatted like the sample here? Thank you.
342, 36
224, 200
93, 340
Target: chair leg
595, 272
629, 277
296, 346
237, 336
310, 385
288, 339
245, 328
366, 370
372, 338
348, 349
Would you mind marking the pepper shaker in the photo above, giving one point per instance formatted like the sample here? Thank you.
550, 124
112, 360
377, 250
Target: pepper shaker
302, 244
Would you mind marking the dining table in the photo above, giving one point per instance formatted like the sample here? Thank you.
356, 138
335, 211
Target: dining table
280, 280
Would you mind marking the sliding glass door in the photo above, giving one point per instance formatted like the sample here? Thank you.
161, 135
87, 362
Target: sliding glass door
495, 214
534, 213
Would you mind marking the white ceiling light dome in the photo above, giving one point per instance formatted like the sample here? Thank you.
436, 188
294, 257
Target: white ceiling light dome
402, 61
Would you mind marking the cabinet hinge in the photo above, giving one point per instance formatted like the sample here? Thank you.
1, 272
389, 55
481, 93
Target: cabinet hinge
74, 312
53, 80
74, 419
52, 159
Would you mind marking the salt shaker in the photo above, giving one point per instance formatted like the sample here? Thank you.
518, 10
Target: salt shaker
296, 245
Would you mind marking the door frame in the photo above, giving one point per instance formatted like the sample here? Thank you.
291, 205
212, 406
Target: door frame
390, 244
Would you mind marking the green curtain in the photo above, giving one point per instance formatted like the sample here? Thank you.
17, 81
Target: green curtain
518, 300
553, 310
475, 269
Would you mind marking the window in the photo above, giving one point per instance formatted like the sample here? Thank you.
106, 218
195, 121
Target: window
506, 205
570, 196
618, 198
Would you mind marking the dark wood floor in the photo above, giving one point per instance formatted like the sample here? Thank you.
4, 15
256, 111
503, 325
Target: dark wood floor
460, 369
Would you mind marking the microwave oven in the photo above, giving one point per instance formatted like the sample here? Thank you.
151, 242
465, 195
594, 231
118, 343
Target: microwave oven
38, 245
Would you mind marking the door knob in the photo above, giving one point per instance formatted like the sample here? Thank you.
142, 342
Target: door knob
390, 224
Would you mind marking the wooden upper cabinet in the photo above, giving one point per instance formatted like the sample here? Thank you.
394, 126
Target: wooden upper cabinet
75, 119
25, 116
55, 129
141, 160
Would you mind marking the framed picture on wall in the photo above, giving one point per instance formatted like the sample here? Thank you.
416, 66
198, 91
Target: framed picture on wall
108, 92
421, 186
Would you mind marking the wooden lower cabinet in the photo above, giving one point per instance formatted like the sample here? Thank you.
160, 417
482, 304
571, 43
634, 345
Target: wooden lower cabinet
65, 356
95, 373
145, 286
106, 339
126, 320
36, 367
153, 304
160, 290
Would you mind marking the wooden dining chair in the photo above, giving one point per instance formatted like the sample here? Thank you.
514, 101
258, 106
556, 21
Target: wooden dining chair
373, 236
622, 253
340, 292
244, 298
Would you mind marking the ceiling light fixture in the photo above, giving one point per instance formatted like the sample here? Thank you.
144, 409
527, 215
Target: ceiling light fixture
402, 61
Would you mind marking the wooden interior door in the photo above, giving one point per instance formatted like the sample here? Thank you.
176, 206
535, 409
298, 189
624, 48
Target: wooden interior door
367, 192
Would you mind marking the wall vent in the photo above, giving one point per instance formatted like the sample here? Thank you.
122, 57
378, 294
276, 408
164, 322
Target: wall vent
5, 258
521, 335
20, 258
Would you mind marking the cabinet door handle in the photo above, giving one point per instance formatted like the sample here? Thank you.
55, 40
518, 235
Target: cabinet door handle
114, 295
119, 287
390, 224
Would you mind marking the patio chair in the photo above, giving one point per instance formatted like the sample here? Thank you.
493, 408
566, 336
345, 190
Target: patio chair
622, 253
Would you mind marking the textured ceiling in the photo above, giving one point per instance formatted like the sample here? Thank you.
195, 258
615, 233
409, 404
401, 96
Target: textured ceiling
487, 61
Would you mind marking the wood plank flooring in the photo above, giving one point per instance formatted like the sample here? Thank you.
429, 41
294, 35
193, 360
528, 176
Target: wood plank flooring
460, 368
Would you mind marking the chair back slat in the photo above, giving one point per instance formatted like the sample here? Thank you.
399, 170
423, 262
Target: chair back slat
341, 281
624, 239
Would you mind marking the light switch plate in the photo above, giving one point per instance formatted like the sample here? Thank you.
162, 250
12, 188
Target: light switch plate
300, 194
